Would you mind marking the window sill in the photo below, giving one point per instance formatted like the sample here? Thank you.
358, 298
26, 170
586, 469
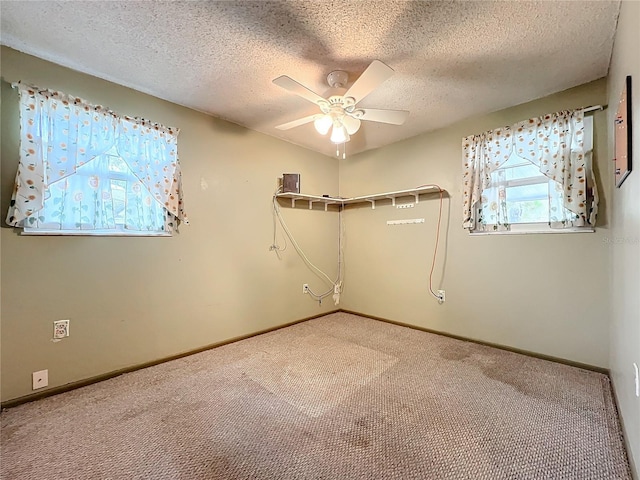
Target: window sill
63, 233
534, 231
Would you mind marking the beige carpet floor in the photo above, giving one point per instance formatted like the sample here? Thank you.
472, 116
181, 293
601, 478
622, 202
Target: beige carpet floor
338, 397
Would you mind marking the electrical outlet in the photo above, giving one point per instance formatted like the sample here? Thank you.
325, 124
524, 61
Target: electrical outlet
40, 379
635, 367
305, 288
60, 328
441, 296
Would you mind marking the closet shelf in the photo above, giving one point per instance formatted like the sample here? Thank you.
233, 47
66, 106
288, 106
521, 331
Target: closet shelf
412, 192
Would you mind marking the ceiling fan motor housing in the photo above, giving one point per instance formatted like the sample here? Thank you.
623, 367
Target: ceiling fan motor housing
337, 104
337, 79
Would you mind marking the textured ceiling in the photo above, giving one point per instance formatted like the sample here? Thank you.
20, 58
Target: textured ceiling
451, 59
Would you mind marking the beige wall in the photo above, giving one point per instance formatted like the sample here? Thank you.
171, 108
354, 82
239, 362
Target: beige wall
542, 293
133, 300
625, 235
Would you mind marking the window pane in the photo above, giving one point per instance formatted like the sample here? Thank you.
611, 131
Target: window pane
539, 191
535, 211
528, 204
118, 192
525, 171
117, 164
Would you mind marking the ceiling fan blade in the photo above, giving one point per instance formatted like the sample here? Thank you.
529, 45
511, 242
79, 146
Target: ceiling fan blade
290, 84
394, 117
374, 75
297, 123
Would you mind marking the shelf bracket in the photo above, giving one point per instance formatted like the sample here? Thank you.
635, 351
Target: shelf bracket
373, 203
310, 204
417, 195
393, 200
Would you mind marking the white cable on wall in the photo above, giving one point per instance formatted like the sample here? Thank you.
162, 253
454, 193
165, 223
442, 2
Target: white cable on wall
274, 247
336, 286
435, 249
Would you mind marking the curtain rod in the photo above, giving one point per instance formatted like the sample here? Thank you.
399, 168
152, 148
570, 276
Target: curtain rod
593, 108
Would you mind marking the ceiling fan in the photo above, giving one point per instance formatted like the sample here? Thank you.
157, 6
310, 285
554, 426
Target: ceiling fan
340, 113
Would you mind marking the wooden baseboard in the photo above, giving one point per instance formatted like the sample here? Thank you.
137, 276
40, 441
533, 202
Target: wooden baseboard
488, 344
105, 376
634, 469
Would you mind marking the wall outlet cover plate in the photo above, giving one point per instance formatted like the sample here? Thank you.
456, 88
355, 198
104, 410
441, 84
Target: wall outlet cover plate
40, 379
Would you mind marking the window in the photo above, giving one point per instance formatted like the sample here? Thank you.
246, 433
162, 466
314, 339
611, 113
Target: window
526, 191
533, 177
104, 197
86, 171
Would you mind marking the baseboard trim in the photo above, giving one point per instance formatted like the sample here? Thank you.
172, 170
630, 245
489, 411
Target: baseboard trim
115, 373
635, 472
541, 356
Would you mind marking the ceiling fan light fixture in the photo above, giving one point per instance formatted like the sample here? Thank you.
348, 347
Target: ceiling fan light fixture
322, 124
339, 133
351, 124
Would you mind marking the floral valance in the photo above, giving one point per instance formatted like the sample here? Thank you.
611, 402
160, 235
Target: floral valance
61, 133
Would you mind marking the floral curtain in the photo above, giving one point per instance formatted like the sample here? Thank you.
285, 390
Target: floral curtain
553, 143
67, 149
79, 201
151, 152
482, 155
90, 200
